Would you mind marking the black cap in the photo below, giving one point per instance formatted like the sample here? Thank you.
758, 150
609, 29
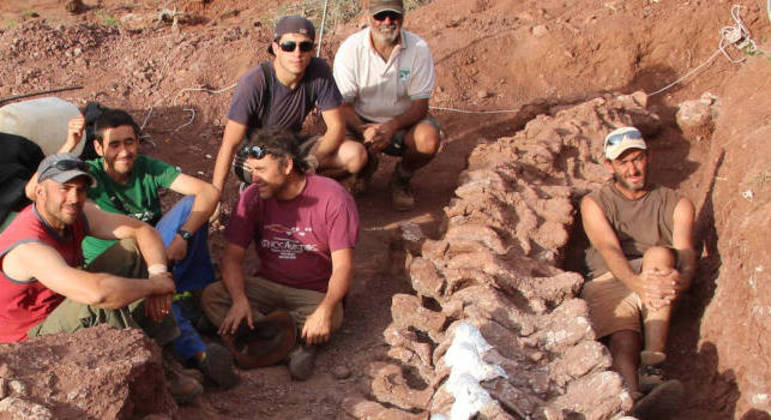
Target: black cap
292, 25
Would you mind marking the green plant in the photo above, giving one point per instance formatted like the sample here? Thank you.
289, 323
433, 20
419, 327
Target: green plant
106, 19
10, 24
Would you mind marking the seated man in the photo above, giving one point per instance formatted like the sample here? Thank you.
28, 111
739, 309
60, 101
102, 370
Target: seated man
44, 291
281, 93
304, 228
386, 76
128, 183
641, 261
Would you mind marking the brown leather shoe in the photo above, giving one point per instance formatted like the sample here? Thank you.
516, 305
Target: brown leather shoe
218, 366
401, 196
182, 387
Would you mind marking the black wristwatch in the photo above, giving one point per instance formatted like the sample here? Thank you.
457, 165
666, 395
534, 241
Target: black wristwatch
185, 234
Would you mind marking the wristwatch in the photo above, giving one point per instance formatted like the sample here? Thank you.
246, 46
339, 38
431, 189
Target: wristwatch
185, 234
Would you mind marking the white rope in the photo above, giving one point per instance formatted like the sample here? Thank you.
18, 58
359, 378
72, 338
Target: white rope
737, 35
687, 74
225, 89
464, 111
174, 103
192, 118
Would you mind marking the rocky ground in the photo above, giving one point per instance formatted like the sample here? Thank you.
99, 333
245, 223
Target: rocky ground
494, 238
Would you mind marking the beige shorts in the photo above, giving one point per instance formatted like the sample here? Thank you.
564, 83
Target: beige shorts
612, 306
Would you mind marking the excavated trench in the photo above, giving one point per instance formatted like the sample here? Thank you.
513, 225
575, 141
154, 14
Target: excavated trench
496, 270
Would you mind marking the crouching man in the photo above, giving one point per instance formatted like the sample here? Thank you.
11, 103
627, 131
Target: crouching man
43, 289
641, 261
304, 228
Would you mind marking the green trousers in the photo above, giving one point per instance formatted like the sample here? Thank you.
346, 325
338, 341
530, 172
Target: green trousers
122, 259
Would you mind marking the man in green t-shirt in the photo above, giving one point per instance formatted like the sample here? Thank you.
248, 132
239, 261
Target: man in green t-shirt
129, 183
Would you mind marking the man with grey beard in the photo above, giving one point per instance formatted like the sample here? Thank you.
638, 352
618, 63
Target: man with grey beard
386, 76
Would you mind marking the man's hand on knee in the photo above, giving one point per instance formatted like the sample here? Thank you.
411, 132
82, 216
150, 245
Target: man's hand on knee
660, 288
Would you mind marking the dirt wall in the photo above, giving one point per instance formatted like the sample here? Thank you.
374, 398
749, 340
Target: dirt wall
735, 287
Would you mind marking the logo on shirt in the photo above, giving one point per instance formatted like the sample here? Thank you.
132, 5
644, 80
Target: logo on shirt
282, 241
404, 75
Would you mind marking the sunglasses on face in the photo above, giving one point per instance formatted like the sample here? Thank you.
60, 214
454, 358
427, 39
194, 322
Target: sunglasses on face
289, 46
387, 14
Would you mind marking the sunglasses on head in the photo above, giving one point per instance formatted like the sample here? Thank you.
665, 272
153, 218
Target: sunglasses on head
68, 165
618, 138
257, 152
289, 46
381, 16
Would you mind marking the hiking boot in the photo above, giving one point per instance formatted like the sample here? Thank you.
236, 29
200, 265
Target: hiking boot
217, 365
301, 362
650, 373
182, 387
171, 362
662, 402
401, 196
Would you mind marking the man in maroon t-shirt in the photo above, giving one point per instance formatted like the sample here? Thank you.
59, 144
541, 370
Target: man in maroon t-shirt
304, 228
281, 93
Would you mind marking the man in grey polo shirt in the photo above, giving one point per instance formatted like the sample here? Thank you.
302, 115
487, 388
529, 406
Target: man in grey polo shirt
386, 76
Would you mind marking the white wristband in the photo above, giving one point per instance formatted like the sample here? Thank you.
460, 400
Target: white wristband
157, 269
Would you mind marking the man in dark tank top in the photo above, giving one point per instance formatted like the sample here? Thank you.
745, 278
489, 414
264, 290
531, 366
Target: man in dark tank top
641, 260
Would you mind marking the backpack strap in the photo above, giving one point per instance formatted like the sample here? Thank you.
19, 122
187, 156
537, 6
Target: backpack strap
266, 94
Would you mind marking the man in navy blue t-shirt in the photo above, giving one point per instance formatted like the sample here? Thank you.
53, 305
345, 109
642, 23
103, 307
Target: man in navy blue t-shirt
281, 93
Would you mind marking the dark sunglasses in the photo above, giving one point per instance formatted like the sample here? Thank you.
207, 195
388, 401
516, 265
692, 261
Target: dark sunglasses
289, 46
257, 152
387, 14
68, 165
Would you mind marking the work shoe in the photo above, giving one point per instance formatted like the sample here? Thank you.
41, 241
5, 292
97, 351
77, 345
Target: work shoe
171, 362
301, 362
650, 373
182, 387
401, 196
217, 365
661, 403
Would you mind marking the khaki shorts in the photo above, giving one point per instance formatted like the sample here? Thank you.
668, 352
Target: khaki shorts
397, 145
612, 306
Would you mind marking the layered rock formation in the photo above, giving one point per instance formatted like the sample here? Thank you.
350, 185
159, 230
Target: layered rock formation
98, 372
495, 267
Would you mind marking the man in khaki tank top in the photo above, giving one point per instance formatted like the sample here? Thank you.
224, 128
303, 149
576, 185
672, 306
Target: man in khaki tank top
641, 260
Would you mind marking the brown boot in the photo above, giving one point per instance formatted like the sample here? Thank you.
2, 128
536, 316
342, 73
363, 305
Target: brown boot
401, 196
217, 365
650, 373
171, 362
182, 387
